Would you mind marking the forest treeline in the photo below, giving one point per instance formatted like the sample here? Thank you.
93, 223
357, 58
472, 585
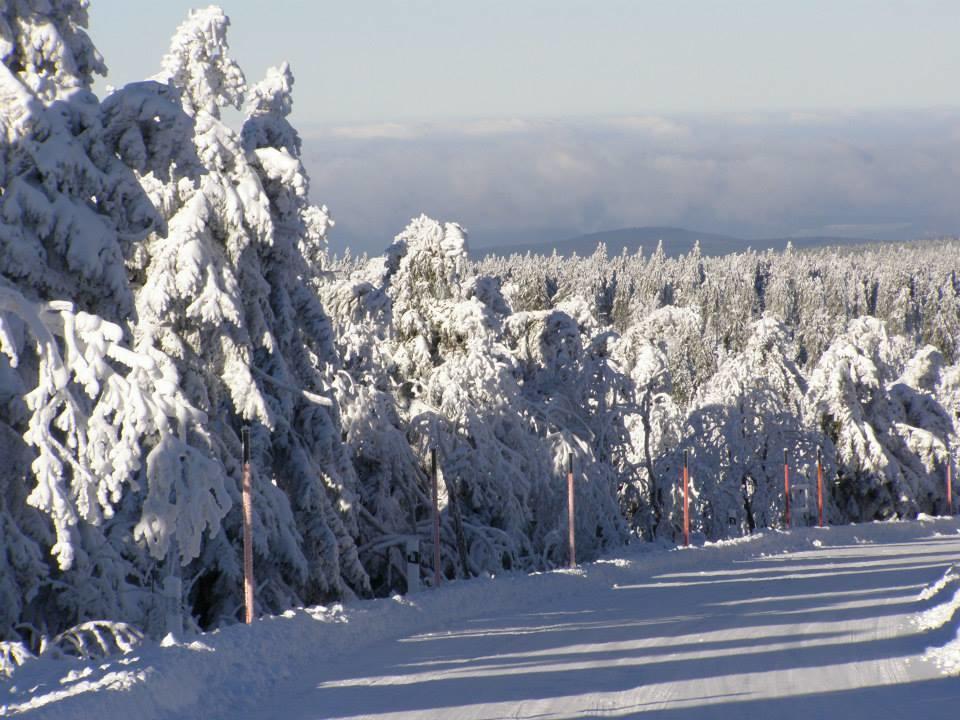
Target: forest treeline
165, 282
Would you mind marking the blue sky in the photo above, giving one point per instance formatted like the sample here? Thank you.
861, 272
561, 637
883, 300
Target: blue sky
378, 61
492, 111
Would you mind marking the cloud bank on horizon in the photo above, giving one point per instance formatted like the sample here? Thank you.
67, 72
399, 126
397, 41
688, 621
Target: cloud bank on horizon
874, 174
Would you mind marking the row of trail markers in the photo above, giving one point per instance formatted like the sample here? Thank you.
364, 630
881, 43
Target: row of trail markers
412, 553
786, 488
685, 480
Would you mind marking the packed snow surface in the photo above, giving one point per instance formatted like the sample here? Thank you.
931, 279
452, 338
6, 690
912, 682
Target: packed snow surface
851, 622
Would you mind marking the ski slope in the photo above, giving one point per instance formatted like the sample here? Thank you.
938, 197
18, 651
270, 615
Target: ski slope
846, 622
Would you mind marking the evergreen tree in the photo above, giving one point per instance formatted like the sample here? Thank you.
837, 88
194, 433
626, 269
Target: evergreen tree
888, 437
309, 460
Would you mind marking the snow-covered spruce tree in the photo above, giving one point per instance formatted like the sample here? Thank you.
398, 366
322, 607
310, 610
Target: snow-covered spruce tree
467, 409
454, 387
391, 480
947, 392
676, 334
591, 281
925, 422
121, 466
731, 301
889, 435
446, 355
30, 190
526, 286
102, 420
26, 535
567, 394
604, 392
741, 421
393, 484
69, 209
690, 357
308, 458
653, 423
224, 293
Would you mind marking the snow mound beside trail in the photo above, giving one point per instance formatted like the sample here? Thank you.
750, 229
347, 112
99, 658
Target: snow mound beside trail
949, 581
943, 617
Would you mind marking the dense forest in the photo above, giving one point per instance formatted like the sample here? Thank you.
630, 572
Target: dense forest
165, 282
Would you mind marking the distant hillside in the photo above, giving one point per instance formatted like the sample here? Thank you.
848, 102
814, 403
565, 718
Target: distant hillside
676, 241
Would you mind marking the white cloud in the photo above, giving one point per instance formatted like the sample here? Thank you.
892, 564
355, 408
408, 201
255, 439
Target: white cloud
435, 129
881, 174
378, 131
655, 125
490, 127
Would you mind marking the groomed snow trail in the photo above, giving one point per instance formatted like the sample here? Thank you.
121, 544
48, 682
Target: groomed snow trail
831, 623
702, 633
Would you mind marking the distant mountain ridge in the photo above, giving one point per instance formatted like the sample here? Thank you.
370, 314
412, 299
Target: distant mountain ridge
676, 241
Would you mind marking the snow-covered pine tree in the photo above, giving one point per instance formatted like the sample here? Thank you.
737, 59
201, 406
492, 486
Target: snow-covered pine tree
526, 286
568, 396
742, 420
690, 359
446, 347
70, 209
392, 487
25, 531
297, 357
947, 393
101, 418
924, 427
653, 422
120, 456
206, 301
889, 436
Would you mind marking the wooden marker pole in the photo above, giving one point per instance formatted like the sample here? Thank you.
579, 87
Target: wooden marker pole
786, 490
819, 490
436, 518
571, 514
686, 501
949, 489
247, 492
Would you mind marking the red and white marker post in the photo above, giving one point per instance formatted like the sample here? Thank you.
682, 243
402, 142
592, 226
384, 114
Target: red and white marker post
686, 501
436, 518
819, 490
571, 513
786, 490
949, 488
247, 493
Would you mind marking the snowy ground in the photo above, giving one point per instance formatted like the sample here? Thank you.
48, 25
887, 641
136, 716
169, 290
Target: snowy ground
847, 622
